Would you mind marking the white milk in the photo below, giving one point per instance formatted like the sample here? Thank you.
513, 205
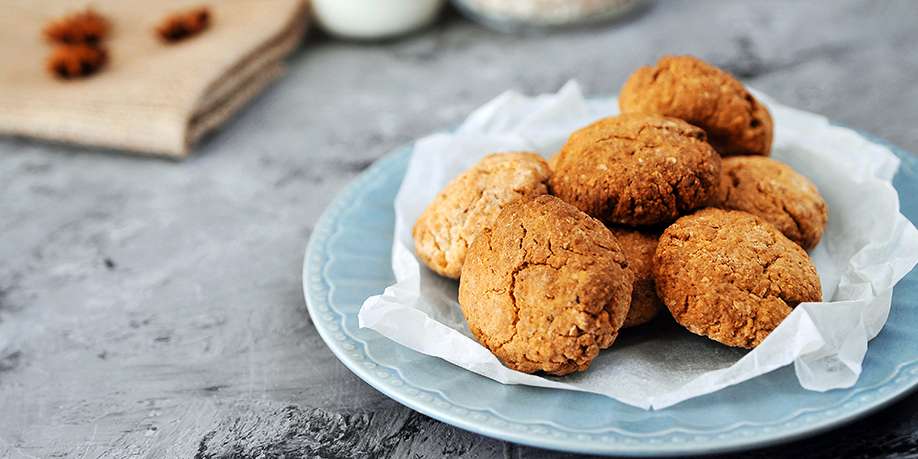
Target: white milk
369, 19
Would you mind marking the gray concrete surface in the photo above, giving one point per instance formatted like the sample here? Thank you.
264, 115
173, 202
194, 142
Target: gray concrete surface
154, 309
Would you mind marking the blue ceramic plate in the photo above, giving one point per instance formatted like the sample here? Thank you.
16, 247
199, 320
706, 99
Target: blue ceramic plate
347, 260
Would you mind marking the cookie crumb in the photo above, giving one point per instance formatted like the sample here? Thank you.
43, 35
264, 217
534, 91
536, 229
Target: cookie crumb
86, 27
184, 24
76, 61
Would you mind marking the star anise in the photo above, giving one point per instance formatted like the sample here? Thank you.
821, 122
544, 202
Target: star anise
76, 61
184, 24
87, 27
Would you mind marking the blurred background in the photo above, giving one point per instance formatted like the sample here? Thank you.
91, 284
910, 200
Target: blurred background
146, 304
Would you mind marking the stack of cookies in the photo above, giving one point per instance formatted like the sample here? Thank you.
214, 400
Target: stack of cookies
673, 203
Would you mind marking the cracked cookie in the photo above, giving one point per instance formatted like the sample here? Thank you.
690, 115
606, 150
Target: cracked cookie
731, 276
688, 88
639, 248
774, 191
472, 201
637, 170
546, 288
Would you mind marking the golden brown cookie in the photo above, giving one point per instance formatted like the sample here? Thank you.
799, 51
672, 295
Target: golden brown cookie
637, 169
639, 248
688, 88
546, 288
778, 194
731, 276
553, 160
472, 201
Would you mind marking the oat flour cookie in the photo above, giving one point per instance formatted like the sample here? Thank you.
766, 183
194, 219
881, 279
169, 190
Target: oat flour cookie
731, 276
446, 229
688, 88
637, 169
639, 248
778, 194
553, 160
546, 288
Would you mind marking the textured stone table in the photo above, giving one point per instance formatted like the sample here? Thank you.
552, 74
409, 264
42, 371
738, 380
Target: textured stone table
153, 308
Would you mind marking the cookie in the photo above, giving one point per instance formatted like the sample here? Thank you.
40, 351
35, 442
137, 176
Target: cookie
731, 276
639, 248
472, 201
778, 194
546, 288
637, 170
688, 88
553, 160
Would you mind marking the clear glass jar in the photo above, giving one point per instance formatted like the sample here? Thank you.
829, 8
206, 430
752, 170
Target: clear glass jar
517, 15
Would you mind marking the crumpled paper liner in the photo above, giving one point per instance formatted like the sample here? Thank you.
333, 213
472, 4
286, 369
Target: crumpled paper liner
868, 246
151, 97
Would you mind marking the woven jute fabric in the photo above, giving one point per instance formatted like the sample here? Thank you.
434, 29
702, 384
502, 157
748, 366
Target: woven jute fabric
151, 97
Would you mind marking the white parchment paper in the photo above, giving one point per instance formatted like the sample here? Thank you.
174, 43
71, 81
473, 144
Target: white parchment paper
867, 247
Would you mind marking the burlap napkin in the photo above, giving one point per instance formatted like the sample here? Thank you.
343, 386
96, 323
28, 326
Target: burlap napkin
151, 97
